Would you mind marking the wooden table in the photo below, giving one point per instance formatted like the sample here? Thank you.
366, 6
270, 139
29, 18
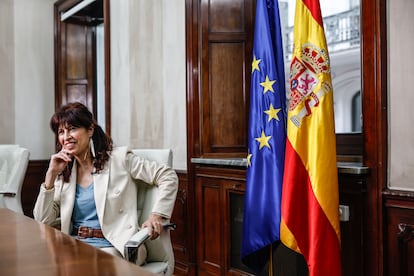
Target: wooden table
28, 247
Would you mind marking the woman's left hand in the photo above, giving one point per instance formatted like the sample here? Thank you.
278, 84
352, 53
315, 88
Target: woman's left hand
154, 225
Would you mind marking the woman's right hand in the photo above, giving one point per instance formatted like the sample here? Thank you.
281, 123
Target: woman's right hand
59, 161
57, 164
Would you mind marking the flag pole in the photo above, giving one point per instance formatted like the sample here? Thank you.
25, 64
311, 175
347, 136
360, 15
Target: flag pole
271, 261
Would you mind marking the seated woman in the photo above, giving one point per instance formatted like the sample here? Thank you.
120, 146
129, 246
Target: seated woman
90, 185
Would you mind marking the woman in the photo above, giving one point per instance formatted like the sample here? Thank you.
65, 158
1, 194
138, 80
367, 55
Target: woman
90, 185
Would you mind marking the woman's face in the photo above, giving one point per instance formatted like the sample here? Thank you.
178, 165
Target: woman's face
74, 140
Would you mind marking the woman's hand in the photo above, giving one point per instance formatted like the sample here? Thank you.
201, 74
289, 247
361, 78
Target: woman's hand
57, 164
154, 225
59, 161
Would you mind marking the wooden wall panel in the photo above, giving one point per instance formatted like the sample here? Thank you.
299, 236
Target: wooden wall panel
399, 233
226, 101
352, 193
226, 16
225, 45
209, 226
406, 248
35, 175
183, 236
218, 236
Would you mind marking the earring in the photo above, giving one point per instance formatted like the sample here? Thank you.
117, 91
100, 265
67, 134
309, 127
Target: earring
92, 147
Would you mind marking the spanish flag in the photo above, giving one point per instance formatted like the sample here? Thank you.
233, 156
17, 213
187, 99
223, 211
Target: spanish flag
310, 200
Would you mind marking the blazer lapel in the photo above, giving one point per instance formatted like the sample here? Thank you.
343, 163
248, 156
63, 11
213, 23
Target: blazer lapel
67, 201
100, 182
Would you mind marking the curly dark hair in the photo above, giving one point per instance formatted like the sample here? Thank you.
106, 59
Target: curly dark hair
78, 115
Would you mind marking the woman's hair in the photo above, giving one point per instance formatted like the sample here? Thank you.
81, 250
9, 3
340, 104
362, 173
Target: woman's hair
77, 115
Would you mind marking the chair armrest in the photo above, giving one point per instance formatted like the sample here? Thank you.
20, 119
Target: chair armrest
131, 247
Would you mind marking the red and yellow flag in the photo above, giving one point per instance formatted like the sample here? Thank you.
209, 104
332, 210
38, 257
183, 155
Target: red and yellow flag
310, 200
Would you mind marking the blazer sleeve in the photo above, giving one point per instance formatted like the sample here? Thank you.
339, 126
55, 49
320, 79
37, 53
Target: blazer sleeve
155, 174
47, 208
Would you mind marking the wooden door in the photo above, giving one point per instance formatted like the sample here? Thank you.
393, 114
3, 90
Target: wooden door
75, 72
75, 55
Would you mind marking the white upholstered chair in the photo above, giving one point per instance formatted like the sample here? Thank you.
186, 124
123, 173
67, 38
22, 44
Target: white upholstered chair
13, 165
160, 259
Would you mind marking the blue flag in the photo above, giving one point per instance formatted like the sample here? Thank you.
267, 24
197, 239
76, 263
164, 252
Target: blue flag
266, 139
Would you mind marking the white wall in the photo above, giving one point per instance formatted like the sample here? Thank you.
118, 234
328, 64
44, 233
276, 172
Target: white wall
34, 78
346, 81
7, 124
148, 75
27, 70
400, 95
174, 83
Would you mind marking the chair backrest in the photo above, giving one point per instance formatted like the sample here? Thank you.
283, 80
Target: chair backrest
13, 165
159, 251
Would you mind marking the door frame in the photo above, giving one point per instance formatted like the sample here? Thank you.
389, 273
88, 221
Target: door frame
375, 126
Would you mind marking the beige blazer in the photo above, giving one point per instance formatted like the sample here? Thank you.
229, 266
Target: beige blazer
115, 196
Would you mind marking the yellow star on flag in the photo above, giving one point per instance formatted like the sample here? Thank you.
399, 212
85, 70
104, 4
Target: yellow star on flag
272, 112
249, 157
263, 140
268, 85
255, 64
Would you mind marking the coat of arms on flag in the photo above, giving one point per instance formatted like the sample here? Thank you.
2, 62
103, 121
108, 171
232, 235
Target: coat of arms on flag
305, 81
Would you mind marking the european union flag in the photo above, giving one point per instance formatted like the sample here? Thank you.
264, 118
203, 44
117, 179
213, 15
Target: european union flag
266, 139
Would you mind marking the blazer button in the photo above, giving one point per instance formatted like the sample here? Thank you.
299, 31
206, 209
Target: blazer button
121, 210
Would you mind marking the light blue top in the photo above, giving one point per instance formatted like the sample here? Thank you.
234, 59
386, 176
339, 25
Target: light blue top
84, 214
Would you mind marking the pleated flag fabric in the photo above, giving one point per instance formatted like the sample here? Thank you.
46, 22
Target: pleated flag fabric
266, 139
310, 200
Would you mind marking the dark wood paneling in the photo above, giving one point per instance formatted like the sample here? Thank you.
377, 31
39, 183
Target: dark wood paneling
226, 16
217, 249
226, 101
225, 46
399, 233
349, 144
406, 248
352, 194
184, 234
35, 175
209, 227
